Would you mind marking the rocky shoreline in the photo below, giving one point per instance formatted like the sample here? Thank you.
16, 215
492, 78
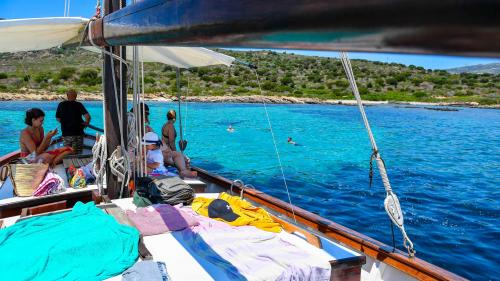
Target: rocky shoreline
50, 96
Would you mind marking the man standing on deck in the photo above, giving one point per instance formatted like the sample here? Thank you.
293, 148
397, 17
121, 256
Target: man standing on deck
69, 114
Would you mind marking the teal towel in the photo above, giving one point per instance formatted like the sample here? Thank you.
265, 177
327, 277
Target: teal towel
83, 244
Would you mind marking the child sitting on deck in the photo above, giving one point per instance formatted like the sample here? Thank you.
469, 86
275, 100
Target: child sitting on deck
154, 156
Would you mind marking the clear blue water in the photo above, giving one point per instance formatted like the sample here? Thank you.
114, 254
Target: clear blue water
444, 166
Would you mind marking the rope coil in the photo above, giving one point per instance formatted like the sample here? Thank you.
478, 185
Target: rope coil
99, 156
119, 164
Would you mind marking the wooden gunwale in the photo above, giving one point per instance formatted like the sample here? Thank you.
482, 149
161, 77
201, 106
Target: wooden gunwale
377, 250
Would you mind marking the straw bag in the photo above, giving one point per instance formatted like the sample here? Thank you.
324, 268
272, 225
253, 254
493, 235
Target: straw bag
27, 177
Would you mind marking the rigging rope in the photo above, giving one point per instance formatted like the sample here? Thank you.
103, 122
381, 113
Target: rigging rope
178, 82
134, 130
186, 108
391, 202
66, 7
99, 156
275, 146
143, 115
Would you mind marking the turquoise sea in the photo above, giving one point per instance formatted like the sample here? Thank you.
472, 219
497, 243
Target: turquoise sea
444, 166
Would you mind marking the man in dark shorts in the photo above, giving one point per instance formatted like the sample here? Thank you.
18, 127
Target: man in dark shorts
69, 114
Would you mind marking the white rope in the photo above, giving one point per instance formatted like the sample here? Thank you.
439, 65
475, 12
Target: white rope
186, 108
391, 202
119, 164
100, 154
143, 112
137, 113
131, 132
276, 147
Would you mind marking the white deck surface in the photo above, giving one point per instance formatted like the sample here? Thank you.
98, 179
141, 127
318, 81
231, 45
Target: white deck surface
67, 191
183, 265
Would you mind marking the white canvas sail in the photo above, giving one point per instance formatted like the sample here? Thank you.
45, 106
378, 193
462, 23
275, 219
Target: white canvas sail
34, 34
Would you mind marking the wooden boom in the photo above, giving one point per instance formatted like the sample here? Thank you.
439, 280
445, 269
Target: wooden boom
450, 27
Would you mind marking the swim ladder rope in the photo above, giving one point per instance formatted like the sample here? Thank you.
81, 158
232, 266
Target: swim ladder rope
275, 146
391, 202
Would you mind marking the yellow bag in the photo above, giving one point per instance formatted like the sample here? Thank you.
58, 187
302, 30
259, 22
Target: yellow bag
27, 177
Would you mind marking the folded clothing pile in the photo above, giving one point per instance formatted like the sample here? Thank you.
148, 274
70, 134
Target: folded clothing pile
161, 218
51, 184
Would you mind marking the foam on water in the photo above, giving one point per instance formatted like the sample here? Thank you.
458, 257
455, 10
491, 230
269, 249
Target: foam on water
444, 166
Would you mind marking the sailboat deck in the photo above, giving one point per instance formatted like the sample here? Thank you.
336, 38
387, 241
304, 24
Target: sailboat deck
185, 264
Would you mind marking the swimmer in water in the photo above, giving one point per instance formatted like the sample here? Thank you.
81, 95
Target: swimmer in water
230, 129
290, 141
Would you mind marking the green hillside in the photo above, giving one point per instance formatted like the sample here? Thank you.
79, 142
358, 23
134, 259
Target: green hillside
283, 74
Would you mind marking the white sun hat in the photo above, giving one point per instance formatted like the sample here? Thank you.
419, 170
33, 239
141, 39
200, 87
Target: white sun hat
150, 138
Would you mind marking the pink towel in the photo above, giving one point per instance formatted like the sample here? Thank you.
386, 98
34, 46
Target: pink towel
52, 183
161, 218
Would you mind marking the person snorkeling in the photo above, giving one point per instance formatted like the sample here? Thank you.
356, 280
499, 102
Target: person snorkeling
230, 128
292, 142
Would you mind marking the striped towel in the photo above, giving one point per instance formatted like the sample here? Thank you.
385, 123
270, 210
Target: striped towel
52, 184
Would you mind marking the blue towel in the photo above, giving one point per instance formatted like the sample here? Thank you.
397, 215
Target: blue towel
83, 244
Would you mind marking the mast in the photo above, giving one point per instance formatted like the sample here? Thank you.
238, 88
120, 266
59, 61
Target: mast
114, 133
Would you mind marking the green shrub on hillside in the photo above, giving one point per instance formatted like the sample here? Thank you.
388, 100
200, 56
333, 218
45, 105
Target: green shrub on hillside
89, 77
3, 75
391, 81
43, 77
268, 86
287, 81
66, 73
217, 79
420, 94
149, 80
232, 81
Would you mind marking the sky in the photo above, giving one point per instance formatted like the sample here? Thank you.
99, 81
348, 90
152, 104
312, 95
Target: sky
12, 9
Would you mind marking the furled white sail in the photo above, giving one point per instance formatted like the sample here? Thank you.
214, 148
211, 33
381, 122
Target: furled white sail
44, 33
181, 57
33, 34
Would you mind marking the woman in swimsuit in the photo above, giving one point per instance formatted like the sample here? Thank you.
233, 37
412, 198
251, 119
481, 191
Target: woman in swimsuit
168, 131
34, 142
171, 156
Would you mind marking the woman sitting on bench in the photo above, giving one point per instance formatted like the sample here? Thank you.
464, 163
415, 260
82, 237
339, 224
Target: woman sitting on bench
34, 142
